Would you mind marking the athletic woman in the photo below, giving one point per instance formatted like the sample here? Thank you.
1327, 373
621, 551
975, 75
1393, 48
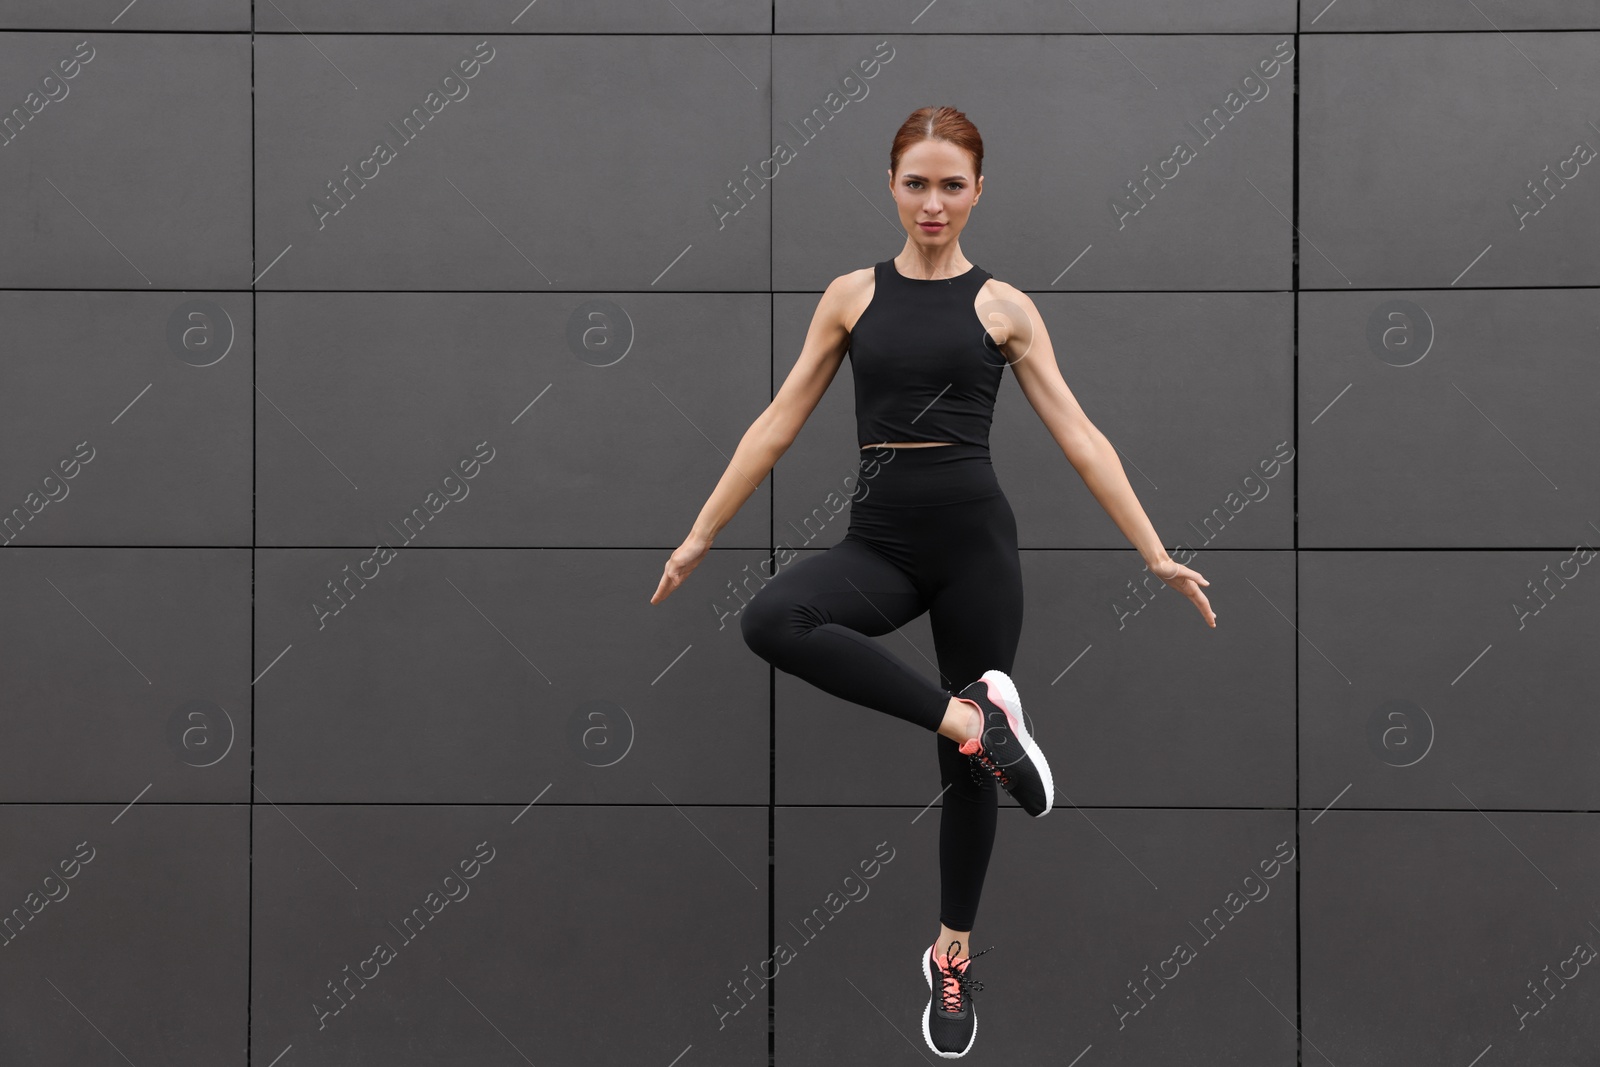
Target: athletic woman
929, 335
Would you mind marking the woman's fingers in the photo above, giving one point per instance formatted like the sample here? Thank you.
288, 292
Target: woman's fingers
1188, 582
668, 583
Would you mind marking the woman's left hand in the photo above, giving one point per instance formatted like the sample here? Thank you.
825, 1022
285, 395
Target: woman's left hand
1187, 582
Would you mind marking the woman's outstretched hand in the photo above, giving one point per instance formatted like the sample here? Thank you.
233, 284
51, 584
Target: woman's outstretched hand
679, 564
1187, 582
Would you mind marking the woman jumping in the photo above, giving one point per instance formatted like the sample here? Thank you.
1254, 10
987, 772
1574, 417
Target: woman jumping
929, 336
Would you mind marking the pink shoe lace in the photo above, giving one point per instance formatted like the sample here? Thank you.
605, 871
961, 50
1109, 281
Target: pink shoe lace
979, 757
954, 982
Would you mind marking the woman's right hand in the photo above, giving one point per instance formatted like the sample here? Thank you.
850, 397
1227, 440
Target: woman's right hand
679, 564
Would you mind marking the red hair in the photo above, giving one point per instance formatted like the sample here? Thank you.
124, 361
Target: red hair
938, 124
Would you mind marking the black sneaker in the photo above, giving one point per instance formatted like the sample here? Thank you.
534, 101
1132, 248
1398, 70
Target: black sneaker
1005, 749
950, 1021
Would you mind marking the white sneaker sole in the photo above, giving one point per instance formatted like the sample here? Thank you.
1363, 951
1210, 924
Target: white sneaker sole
1003, 691
927, 976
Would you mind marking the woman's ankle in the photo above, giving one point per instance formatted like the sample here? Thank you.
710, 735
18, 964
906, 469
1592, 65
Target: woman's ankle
963, 719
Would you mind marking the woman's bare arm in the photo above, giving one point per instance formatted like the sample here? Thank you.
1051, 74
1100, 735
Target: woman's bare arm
1027, 347
776, 428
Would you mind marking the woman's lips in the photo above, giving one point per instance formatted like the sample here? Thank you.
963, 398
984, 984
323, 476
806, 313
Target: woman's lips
933, 227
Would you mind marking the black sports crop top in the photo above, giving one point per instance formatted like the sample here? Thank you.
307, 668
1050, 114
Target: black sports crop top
925, 368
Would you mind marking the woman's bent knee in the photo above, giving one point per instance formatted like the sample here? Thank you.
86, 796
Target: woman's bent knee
764, 623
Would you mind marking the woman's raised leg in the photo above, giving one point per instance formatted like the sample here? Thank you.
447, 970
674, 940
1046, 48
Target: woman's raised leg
816, 620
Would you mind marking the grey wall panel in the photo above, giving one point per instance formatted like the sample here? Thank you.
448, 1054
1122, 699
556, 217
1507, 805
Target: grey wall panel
463, 676
125, 418
136, 947
523, 919
540, 169
368, 403
1439, 418
1213, 726
188, 15
1075, 196
1449, 915
1130, 885
1487, 16
1036, 16
125, 668
1156, 372
129, 167
481, 16
1445, 694
1420, 155
575, 261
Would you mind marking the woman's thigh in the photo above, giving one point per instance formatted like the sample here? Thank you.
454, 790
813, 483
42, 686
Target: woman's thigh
849, 584
976, 607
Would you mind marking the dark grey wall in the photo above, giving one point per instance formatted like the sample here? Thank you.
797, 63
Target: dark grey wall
1346, 351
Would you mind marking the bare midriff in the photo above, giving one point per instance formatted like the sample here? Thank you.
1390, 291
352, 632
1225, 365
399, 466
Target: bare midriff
908, 444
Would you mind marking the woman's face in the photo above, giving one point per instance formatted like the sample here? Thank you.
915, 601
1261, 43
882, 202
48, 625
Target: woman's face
935, 191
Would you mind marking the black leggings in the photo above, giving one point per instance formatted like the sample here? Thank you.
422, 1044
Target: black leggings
930, 531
